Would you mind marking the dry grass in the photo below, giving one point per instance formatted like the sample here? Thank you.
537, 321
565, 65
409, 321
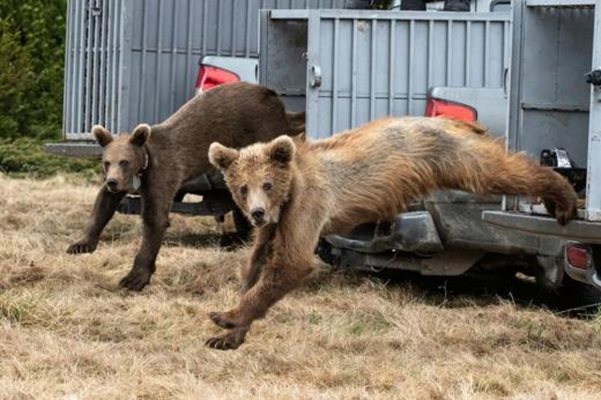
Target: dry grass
65, 332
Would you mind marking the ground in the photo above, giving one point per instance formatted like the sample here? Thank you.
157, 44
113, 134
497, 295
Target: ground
67, 332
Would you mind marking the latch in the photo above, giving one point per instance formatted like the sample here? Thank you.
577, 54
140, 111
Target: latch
561, 162
315, 76
594, 77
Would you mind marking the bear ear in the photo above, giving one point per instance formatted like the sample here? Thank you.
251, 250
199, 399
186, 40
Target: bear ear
281, 149
140, 135
222, 157
103, 137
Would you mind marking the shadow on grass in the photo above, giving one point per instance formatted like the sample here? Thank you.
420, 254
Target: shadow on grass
468, 290
482, 289
227, 242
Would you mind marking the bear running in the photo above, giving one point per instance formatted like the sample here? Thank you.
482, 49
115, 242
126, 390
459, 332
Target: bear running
293, 193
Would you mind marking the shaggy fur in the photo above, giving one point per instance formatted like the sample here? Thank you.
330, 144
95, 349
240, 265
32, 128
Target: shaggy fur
373, 172
162, 158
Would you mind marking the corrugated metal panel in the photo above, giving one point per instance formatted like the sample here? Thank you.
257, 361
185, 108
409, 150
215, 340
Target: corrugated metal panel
92, 65
593, 198
552, 105
378, 64
136, 61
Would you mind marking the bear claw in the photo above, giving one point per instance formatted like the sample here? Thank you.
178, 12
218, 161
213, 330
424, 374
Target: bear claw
81, 247
222, 343
228, 341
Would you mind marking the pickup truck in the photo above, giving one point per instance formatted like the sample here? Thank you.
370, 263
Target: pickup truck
443, 234
438, 59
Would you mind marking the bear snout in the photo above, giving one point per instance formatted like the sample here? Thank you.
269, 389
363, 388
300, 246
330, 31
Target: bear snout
112, 185
258, 214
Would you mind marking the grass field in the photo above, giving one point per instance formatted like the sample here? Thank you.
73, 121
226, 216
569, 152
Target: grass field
67, 332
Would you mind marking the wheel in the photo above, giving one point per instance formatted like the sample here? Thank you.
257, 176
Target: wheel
579, 297
563, 293
179, 197
324, 252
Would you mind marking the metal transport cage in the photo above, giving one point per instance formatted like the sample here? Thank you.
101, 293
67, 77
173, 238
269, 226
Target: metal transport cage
135, 61
556, 103
347, 67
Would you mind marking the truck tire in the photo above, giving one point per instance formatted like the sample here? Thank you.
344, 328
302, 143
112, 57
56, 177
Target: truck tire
579, 297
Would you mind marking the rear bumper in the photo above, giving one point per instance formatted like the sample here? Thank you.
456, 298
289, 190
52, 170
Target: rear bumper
76, 149
410, 242
409, 232
577, 229
582, 232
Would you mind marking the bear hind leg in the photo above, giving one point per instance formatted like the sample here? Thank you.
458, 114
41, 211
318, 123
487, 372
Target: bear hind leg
494, 171
528, 178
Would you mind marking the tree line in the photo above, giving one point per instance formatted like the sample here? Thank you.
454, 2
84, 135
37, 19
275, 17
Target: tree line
32, 38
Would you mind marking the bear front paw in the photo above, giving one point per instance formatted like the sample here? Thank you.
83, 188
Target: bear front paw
135, 280
82, 246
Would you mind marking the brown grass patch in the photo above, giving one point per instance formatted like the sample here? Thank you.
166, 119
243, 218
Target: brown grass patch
66, 332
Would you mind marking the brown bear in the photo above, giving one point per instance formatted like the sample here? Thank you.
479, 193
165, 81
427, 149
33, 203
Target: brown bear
293, 193
157, 160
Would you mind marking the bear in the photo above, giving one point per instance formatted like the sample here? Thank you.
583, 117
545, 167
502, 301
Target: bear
157, 160
293, 193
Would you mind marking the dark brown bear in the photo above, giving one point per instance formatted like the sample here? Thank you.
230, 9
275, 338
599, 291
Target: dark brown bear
157, 160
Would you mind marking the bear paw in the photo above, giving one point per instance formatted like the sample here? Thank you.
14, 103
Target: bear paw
228, 341
82, 246
228, 320
562, 212
135, 280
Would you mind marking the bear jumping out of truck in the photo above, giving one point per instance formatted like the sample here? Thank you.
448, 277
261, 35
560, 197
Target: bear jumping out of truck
157, 160
293, 193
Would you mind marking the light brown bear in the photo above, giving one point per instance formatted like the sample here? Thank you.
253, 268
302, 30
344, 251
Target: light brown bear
156, 161
293, 193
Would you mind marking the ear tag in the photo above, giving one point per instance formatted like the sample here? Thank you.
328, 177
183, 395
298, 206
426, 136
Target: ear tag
136, 183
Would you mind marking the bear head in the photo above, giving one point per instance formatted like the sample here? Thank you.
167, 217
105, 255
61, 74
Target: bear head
123, 157
258, 176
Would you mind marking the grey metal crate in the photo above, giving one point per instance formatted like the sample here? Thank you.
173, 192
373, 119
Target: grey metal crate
132, 61
349, 67
550, 102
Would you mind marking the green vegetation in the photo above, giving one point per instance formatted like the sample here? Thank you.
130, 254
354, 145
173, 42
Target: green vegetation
26, 157
32, 35
17, 307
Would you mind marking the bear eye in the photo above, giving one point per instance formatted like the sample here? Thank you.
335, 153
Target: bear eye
243, 190
106, 165
124, 163
267, 186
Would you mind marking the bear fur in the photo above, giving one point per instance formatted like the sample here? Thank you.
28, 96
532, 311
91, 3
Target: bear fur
293, 193
157, 160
